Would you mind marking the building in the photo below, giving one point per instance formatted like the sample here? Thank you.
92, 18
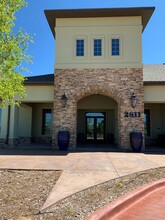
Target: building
100, 92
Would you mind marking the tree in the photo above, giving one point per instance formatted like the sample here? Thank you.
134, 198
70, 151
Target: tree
13, 51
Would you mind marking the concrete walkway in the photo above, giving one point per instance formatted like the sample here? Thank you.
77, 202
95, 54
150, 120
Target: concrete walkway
81, 170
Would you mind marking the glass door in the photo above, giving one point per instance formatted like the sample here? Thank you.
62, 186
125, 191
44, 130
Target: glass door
100, 127
95, 127
90, 129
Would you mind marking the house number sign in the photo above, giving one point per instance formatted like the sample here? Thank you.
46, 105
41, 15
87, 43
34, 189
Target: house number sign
132, 114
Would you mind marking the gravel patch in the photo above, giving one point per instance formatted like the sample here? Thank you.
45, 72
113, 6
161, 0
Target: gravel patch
22, 193
80, 205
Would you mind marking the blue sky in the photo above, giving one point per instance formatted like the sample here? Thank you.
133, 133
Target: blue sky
33, 21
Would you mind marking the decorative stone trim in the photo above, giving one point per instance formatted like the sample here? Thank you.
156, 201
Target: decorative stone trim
15, 141
42, 140
24, 140
11, 142
2, 143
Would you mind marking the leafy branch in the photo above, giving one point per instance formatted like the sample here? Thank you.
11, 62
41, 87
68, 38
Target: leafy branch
13, 52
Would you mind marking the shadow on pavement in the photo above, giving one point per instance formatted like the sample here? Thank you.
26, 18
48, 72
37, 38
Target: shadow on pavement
46, 150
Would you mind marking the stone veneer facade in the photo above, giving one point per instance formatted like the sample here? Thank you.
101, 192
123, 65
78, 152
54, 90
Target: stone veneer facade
118, 84
14, 142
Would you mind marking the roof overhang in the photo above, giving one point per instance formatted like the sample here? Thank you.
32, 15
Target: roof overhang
153, 83
47, 79
144, 12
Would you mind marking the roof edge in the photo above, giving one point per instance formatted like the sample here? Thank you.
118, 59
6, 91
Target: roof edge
149, 83
51, 15
39, 83
40, 79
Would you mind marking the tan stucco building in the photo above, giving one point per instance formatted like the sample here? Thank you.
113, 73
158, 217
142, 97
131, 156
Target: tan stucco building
98, 69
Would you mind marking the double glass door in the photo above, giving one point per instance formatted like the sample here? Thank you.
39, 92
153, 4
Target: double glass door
95, 127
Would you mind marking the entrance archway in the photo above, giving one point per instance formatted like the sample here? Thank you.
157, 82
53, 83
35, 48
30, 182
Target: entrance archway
116, 84
97, 120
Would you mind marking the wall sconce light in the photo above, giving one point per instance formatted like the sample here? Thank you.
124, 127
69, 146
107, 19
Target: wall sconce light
133, 100
64, 100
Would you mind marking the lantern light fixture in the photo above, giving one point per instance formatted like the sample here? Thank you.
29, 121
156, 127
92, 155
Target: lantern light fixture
133, 100
63, 100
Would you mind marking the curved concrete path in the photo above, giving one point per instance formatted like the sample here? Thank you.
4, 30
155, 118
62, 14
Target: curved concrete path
81, 170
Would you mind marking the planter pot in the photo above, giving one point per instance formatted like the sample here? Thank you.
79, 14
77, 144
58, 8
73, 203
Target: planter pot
63, 140
136, 140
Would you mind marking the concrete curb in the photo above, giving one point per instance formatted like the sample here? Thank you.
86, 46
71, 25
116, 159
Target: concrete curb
117, 207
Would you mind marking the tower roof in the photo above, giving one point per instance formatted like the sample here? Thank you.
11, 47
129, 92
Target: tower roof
144, 12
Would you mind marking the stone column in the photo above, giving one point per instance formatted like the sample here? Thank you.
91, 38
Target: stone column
128, 122
64, 118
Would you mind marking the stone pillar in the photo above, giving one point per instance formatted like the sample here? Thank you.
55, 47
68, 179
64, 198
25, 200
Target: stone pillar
64, 118
128, 122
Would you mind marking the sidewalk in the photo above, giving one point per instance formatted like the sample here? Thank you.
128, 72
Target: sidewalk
81, 170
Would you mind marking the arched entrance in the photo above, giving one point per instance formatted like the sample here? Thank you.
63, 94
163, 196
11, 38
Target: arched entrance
97, 120
114, 84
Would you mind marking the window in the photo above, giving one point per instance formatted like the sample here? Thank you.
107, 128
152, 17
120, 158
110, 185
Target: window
95, 114
147, 122
80, 47
46, 121
97, 46
115, 47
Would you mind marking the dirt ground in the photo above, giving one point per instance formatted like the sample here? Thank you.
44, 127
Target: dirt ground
22, 193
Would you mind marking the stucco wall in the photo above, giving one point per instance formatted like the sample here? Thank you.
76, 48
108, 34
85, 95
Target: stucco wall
14, 118
37, 118
39, 93
154, 93
25, 121
128, 29
19, 126
157, 119
4, 117
97, 102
